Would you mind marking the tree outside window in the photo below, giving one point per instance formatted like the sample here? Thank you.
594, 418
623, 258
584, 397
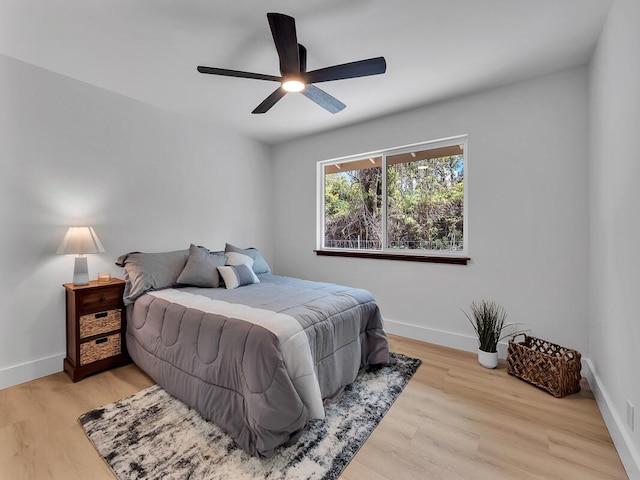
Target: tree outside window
409, 200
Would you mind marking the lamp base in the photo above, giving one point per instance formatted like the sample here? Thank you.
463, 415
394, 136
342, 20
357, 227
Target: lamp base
81, 272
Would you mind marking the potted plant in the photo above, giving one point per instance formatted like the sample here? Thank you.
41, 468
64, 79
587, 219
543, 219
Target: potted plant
488, 319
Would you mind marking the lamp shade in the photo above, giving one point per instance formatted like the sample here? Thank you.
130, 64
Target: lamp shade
80, 240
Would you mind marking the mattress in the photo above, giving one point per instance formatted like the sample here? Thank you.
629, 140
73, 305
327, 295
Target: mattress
257, 360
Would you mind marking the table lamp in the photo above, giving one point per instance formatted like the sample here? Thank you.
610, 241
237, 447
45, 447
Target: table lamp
80, 241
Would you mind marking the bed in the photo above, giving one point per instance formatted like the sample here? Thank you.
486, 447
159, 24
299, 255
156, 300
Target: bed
258, 354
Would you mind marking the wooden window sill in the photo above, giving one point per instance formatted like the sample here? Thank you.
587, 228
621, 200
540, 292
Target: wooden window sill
454, 260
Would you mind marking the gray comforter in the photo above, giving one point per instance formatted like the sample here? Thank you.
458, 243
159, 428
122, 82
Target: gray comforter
257, 360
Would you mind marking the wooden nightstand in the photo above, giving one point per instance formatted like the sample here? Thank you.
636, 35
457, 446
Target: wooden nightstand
96, 326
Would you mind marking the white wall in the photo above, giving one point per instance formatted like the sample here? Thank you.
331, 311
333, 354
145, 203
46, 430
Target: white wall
146, 179
527, 191
614, 321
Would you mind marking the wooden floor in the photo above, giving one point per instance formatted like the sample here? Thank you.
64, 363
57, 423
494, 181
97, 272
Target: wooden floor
455, 420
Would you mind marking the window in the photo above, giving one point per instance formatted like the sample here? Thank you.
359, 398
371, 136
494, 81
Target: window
404, 201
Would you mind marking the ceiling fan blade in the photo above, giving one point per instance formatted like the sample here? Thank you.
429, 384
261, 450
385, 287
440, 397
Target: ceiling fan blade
238, 73
302, 55
361, 68
270, 101
322, 98
283, 29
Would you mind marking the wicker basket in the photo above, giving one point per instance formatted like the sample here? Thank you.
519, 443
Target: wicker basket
100, 349
544, 364
101, 322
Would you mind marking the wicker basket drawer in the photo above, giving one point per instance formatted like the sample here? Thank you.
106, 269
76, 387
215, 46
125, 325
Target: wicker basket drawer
100, 349
101, 322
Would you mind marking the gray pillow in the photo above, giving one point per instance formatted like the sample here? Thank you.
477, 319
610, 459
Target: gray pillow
150, 271
201, 269
260, 265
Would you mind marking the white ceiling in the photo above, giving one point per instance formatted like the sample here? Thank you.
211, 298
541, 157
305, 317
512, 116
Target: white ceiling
435, 49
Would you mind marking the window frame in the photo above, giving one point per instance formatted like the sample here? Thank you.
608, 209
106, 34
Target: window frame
459, 257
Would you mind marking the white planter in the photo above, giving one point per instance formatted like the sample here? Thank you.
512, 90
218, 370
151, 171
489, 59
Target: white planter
488, 359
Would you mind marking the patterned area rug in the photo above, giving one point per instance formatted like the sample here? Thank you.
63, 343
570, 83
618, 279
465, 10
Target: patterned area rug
151, 435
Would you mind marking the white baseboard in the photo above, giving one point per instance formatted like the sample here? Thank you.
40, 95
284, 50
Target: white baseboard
621, 439
25, 372
467, 343
628, 454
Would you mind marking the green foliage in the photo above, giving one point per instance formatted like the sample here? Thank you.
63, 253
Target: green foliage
488, 320
425, 202
353, 209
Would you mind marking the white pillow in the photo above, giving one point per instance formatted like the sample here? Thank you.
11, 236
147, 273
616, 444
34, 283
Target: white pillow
235, 276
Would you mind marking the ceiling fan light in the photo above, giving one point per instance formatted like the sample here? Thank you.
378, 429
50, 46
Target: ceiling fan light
293, 85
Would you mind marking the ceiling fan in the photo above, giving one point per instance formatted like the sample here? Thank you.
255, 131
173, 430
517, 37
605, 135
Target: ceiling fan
293, 69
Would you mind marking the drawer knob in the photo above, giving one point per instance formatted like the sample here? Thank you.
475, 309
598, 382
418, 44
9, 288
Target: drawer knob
101, 340
103, 298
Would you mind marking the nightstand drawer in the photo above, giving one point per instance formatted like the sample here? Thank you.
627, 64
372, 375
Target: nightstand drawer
100, 322
99, 300
99, 349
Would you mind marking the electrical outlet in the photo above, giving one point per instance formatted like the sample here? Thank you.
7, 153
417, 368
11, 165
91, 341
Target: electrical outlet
630, 415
